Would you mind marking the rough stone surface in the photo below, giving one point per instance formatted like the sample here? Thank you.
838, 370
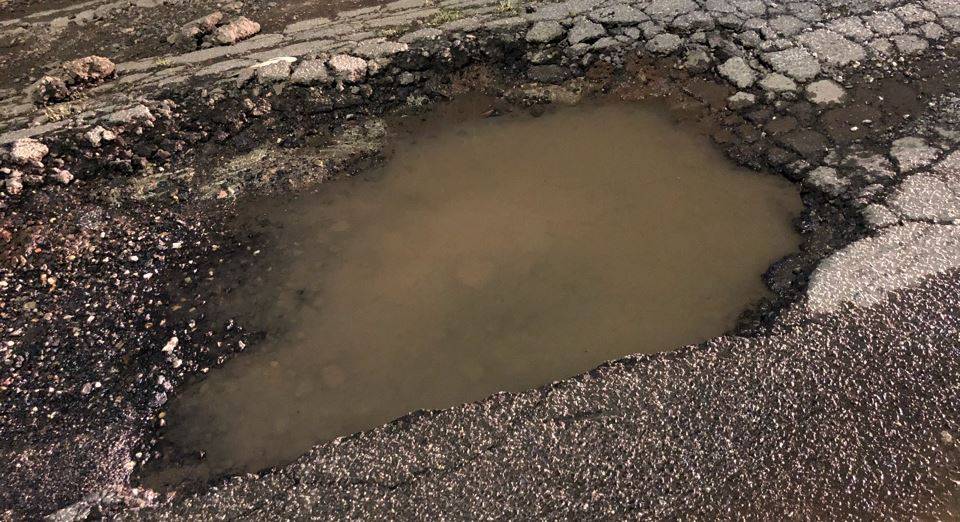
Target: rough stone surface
311, 72
665, 43
548, 73
741, 100
585, 31
275, 71
348, 68
928, 197
618, 15
878, 216
796, 63
26, 151
98, 135
697, 60
545, 32
825, 92
89, 69
865, 272
832, 48
912, 153
910, 44
828, 180
378, 49
136, 114
738, 72
776, 82
235, 31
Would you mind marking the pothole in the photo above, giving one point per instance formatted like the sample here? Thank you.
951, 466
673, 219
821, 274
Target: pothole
494, 254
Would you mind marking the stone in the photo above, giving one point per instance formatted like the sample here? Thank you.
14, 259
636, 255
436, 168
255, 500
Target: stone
311, 72
831, 47
697, 60
695, 21
911, 14
274, 71
61, 176
665, 43
873, 167
912, 153
585, 31
828, 180
943, 8
778, 83
738, 72
89, 69
28, 151
865, 272
667, 10
851, 27
139, 114
98, 135
933, 31
618, 15
547, 73
910, 44
348, 68
885, 23
878, 216
49, 88
545, 32
13, 185
928, 197
189, 35
796, 63
372, 49
428, 33
950, 166
741, 100
787, 25
825, 92
235, 31
605, 43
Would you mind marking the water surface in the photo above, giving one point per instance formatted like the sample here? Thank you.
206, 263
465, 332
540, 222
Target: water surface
497, 254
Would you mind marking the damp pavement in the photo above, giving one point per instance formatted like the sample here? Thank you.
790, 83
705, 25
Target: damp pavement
838, 399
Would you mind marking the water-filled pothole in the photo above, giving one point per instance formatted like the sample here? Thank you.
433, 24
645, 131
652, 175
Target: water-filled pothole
497, 254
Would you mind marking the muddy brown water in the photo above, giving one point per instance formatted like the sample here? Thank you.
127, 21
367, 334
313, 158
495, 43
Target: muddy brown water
496, 254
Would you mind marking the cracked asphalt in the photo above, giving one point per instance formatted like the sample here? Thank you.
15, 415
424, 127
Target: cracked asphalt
837, 400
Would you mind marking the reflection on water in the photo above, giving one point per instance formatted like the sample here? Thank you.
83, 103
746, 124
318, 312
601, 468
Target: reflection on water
500, 254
